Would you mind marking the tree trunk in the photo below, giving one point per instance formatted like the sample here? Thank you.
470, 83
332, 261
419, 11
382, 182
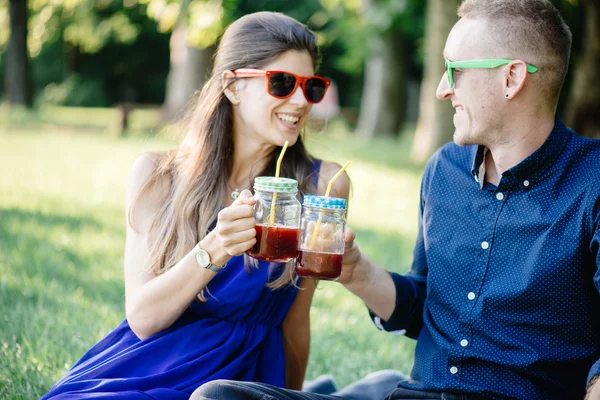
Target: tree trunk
383, 102
583, 110
187, 73
18, 71
435, 126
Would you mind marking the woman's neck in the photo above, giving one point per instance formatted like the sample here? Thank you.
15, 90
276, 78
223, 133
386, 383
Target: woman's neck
249, 156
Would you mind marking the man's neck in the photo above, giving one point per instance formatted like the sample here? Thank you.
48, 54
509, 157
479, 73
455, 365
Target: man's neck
519, 144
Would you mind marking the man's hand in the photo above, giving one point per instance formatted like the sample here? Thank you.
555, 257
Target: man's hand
351, 258
368, 281
593, 392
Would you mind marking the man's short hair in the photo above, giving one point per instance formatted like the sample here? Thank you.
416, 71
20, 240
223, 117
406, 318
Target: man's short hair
530, 30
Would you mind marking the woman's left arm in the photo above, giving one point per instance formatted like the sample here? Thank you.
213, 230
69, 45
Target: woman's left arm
296, 335
296, 326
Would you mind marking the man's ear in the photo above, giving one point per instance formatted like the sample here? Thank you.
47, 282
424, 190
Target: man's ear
514, 79
229, 84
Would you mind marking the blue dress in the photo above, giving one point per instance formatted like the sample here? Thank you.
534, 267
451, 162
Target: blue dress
236, 334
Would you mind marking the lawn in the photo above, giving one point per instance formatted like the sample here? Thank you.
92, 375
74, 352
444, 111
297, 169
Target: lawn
62, 233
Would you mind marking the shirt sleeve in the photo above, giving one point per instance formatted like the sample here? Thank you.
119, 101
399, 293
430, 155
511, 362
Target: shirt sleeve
411, 289
595, 249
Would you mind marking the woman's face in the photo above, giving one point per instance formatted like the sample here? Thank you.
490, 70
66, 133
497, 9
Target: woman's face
267, 119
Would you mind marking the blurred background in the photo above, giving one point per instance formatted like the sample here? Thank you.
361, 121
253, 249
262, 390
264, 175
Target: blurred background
88, 85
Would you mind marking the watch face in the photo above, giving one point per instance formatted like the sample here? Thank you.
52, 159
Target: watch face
202, 258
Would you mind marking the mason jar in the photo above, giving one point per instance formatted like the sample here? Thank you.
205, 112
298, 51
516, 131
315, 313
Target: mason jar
320, 254
277, 239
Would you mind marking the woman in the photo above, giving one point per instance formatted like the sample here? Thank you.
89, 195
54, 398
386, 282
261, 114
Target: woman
189, 320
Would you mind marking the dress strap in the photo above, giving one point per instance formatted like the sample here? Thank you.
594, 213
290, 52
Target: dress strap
316, 169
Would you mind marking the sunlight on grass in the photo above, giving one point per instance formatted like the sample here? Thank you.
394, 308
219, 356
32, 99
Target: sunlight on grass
62, 238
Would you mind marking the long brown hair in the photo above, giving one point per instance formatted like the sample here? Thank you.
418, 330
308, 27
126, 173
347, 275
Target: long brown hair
198, 170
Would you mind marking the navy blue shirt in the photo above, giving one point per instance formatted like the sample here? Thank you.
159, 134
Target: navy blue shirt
503, 290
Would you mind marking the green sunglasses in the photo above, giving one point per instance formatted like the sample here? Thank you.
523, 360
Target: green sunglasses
486, 64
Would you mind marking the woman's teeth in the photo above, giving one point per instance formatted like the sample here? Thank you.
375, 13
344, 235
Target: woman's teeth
288, 118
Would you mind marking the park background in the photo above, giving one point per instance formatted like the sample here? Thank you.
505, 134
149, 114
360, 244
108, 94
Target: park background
88, 85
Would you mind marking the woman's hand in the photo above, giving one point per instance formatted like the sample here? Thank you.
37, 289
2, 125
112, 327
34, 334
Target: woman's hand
235, 225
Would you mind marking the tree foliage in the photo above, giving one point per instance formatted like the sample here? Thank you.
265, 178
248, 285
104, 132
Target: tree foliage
98, 52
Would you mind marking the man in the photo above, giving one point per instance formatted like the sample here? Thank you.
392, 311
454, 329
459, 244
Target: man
502, 295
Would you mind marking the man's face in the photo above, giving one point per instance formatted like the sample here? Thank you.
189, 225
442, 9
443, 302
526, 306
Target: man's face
477, 93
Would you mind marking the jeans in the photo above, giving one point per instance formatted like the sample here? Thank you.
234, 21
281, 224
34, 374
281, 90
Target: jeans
379, 385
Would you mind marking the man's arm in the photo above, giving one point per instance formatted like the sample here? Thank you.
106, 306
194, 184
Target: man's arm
593, 392
370, 282
397, 300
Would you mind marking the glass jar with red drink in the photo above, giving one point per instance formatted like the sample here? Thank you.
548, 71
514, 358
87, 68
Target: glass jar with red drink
320, 254
277, 239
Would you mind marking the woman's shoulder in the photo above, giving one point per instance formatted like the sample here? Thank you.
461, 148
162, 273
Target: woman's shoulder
340, 187
147, 188
144, 168
146, 163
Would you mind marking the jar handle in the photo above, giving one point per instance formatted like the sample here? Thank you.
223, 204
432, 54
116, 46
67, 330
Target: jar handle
258, 210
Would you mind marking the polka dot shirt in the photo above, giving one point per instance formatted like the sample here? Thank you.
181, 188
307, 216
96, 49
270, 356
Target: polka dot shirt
503, 291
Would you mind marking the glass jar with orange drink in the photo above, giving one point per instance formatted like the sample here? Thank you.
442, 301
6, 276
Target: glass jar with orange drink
277, 213
321, 237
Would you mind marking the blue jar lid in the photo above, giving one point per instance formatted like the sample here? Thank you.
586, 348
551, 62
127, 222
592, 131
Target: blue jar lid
331, 203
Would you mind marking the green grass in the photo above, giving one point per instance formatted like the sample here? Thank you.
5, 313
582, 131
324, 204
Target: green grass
62, 190
69, 119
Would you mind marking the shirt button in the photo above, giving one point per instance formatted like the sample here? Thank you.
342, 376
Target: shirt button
471, 296
485, 245
453, 370
525, 183
464, 343
500, 196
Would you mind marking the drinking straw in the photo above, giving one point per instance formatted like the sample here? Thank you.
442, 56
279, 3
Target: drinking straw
272, 215
329, 185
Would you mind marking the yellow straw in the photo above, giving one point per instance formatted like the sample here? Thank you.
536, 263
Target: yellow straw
272, 215
329, 185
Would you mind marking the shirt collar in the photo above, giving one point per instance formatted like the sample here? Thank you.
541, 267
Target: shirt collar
535, 164
478, 166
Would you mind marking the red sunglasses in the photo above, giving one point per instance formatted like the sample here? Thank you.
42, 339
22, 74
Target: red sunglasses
282, 84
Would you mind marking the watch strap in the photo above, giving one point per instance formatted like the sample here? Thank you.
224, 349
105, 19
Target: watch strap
215, 268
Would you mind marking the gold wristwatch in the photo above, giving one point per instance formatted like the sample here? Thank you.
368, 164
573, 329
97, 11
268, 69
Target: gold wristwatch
203, 259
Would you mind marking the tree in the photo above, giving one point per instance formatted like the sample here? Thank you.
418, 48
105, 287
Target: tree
371, 44
187, 73
584, 103
392, 28
383, 99
192, 44
383, 103
66, 35
18, 71
435, 125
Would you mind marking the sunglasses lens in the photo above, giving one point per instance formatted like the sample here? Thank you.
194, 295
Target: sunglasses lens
315, 90
281, 85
